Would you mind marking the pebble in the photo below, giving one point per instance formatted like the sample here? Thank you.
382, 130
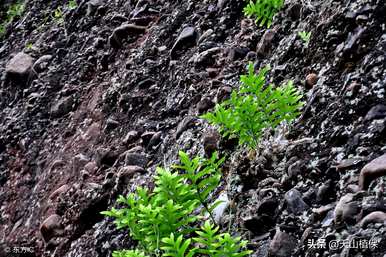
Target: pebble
376, 112
64, 188
376, 168
374, 217
295, 203
187, 37
51, 227
136, 159
211, 142
346, 209
311, 80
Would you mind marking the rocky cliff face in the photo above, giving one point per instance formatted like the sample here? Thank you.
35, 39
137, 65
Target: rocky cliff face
93, 100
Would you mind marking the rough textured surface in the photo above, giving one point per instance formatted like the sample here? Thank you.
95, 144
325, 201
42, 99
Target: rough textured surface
19, 66
93, 109
376, 168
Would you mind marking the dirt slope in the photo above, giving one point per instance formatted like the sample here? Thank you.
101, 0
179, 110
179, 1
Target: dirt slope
112, 84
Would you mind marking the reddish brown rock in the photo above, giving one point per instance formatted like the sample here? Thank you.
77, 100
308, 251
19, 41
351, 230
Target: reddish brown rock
311, 80
51, 227
375, 169
59, 191
211, 142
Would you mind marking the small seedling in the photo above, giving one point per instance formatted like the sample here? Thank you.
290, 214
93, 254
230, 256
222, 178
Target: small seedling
58, 15
305, 36
263, 10
72, 5
2, 29
29, 46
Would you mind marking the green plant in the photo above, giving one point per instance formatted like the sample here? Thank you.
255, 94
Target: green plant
255, 107
305, 36
211, 243
58, 15
14, 10
29, 45
2, 29
129, 253
161, 220
72, 4
263, 10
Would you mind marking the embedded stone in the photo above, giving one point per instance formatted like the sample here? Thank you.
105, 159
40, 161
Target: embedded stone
51, 227
375, 169
19, 66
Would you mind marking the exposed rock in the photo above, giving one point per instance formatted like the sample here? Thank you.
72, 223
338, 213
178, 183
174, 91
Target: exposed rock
155, 139
211, 142
92, 6
311, 80
91, 167
282, 244
236, 53
376, 168
204, 105
265, 44
51, 227
376, 112
111, 124
185, 124
220, 209
295, 202
221, 4
122, 32
146, 136
207, 57
42, 63
187, 38
61, 190
130, 137
151, 80
223, 93
136, 159
294, 11
79, 161
19, 67
63, 106
374, 217
127, 172
346, 209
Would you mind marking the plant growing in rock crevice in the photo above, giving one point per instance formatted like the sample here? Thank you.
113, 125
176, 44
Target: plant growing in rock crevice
255, 107
305, 36
263, 10
163, 220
